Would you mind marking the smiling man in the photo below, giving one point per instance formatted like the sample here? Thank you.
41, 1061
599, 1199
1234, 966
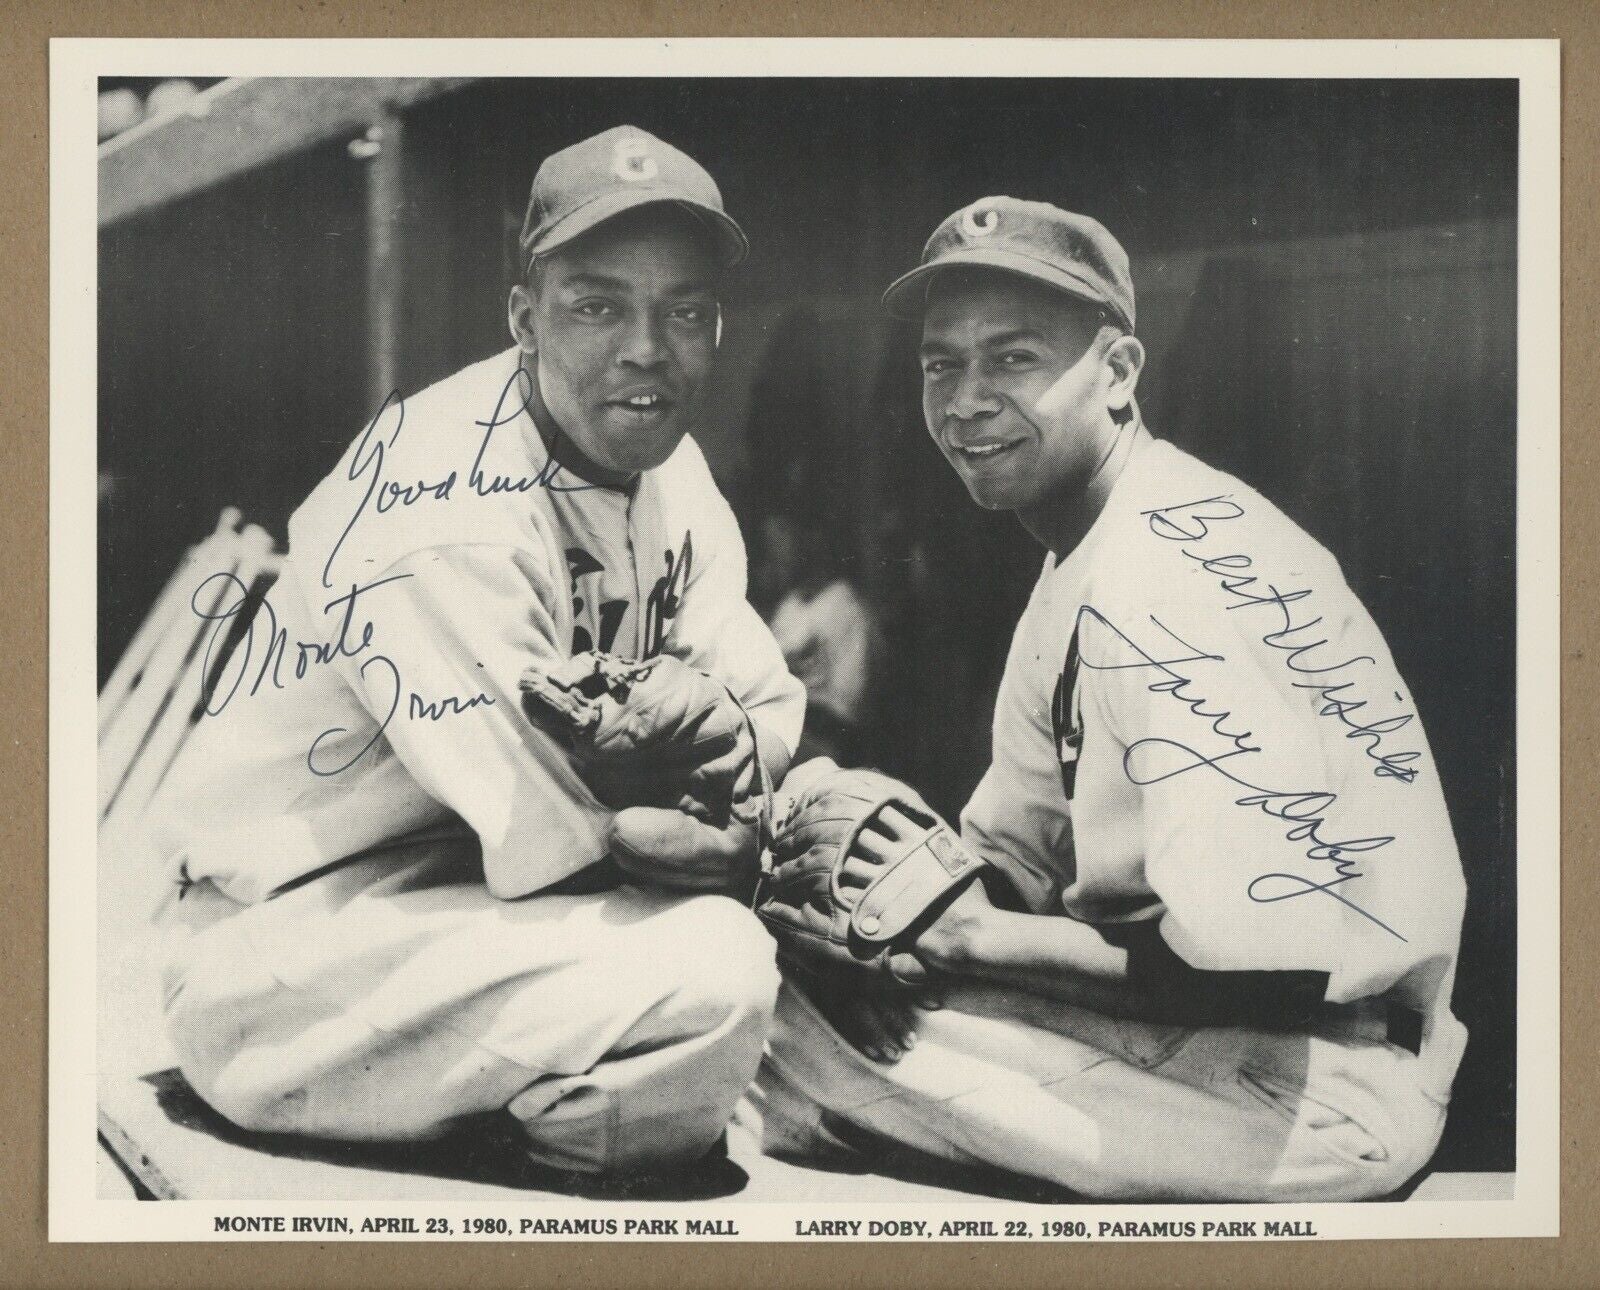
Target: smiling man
409, 903
1197, 937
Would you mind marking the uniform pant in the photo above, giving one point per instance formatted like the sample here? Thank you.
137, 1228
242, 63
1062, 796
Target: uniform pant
1114, 1109
394, 994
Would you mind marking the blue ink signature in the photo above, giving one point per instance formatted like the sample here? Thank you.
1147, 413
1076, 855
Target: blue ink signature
308, 654
384, 495
1306, 812
349, 642
379, 495
449, 706
1191, 522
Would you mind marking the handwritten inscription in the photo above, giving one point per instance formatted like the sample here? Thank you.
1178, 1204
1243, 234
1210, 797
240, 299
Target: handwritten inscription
1291, 631
1154, 759
353, 639
348, 641
380, 494
449, 706
263, 654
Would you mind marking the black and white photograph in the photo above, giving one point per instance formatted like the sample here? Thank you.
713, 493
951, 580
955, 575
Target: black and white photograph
805, 648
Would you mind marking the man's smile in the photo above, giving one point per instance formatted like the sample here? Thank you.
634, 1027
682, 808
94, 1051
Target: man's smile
985, 450
643, 403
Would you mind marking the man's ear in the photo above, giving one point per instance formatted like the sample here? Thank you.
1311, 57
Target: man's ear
521, 310
1124, 360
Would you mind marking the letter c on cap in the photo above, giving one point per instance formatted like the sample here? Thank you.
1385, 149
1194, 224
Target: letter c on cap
631, 160
980, 221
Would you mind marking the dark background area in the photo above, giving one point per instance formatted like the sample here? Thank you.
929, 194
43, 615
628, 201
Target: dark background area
1327, 287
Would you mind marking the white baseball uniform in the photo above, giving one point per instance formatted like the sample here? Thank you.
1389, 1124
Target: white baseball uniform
368, 818
1201, 726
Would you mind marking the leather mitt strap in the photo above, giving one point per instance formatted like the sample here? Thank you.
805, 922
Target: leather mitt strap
925, 867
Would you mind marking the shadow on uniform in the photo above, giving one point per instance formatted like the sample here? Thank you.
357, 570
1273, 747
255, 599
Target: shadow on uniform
487, 1149
491, 1150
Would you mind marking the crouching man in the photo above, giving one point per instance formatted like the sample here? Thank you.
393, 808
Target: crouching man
1197, 936
409, 901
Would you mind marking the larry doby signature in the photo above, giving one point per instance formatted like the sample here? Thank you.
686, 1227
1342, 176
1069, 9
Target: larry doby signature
1154, 759
1289, 631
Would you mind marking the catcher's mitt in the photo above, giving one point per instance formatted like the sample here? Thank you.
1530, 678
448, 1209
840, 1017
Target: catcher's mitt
850, 888
652, 733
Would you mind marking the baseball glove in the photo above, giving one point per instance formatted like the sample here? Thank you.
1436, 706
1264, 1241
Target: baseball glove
850, 886
652, 733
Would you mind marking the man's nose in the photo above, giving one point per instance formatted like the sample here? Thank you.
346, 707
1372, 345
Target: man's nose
974, 398
642, 343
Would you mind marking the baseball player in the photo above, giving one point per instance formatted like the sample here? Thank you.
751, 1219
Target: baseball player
1197, 936
407, 897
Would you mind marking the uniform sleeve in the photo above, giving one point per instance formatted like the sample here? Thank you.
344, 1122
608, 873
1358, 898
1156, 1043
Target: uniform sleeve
453, 629
1017, 818
1260, 837
717, 631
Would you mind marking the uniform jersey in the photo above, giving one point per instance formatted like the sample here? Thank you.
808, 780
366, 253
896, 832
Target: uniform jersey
1200, 724
376, 693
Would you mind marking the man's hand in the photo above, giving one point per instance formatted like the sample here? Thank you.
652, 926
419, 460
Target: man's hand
687, 848
663, 847
944, 946
878, 1021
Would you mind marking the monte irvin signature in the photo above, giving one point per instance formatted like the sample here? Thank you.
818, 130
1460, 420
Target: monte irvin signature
222, 599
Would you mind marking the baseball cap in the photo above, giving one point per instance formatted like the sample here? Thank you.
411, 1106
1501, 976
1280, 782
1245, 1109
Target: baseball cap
598, 179
1035, 240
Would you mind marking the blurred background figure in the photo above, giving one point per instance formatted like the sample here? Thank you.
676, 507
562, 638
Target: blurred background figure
829, 634
803, 512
